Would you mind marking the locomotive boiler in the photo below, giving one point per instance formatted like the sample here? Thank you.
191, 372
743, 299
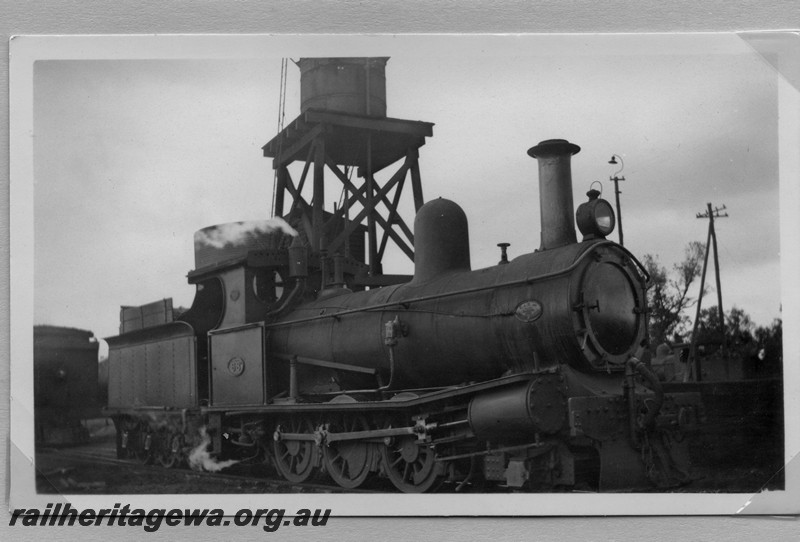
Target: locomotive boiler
523, 375
580, 304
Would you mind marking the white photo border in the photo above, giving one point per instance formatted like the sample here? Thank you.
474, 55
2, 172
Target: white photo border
26, 50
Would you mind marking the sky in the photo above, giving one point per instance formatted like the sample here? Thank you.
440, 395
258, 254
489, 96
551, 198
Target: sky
133, 153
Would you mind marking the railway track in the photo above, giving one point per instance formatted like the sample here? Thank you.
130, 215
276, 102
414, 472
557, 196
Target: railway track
96, 469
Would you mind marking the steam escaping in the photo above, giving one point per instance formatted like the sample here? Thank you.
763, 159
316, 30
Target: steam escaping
238, 233
201, 460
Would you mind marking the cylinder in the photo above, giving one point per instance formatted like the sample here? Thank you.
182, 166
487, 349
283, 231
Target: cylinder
535, 406
555, 191
344, 85
501, 413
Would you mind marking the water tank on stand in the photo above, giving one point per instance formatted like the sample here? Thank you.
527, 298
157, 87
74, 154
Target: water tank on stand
351, 85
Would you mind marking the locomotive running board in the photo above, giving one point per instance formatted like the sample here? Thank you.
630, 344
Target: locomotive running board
389, 404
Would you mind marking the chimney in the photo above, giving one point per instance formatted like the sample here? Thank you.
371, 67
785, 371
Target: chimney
555, 191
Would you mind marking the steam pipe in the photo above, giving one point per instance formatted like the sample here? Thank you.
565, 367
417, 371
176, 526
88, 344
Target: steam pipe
472, 468
632, 367
323, 269
293, 384
629, 391
388, 385
338, 270
648, 375
391, 332
299, 286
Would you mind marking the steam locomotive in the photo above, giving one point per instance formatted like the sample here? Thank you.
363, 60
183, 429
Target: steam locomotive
525, 375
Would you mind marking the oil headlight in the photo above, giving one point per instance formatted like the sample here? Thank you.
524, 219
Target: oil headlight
595, 217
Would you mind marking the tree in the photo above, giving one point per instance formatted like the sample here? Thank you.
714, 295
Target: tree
668, 294
770, 345
739, 328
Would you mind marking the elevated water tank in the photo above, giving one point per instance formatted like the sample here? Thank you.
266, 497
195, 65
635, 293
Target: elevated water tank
354, 85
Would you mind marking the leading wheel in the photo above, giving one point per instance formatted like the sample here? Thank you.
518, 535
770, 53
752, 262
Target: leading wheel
348, 462
411, 466
294, 459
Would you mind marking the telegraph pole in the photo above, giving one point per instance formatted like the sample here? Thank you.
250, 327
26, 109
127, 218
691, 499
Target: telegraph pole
711, 242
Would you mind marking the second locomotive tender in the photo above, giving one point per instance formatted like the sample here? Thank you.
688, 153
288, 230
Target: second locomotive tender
523, 375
